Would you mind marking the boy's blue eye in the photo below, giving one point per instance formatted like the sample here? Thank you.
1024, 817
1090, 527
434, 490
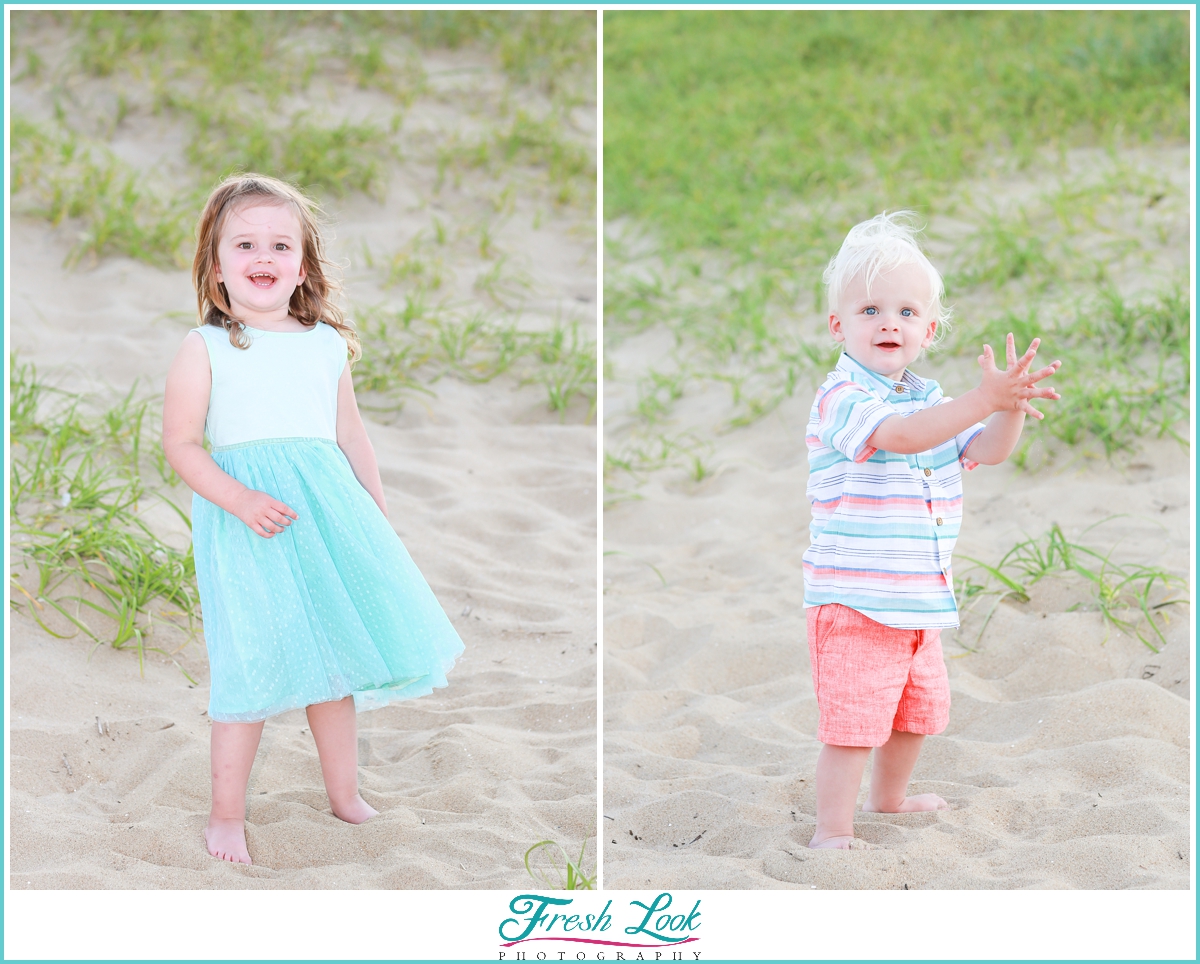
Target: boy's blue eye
906, 312
870, 311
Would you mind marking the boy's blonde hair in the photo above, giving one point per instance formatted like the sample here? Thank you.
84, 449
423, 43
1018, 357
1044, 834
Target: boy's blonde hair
872, 247
313, 299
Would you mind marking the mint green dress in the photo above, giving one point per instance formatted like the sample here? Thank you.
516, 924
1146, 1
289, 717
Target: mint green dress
332, 606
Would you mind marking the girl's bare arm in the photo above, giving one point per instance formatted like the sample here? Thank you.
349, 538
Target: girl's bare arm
353, 441
185, 407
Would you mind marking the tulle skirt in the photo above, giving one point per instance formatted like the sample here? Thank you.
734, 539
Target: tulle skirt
331, 607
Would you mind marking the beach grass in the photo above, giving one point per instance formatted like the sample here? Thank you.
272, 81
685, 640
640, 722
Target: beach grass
59, 177
552, 867
798, 105
407, 350
78, 500
741, 145
1132, 598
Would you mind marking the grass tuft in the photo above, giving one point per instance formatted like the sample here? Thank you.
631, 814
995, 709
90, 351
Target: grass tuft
409, 349
1132, 598
77, 509
551, 866
57, 177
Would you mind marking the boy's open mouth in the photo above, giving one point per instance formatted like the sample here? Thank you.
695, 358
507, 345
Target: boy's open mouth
260, 279
887, 345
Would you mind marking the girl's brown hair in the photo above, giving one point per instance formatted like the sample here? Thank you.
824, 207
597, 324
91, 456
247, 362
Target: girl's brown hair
313, 299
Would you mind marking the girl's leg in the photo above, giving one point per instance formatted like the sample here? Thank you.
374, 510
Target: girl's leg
335, 730
839, 775
894, 762
233, 747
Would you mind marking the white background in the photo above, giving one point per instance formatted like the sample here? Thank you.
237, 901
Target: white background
735, 925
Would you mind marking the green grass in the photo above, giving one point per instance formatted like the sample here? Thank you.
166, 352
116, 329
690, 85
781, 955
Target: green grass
77, 501
740, 146
552, 867
319, 159
409, 349
1131, 598
57, 177
715, 120
529, 141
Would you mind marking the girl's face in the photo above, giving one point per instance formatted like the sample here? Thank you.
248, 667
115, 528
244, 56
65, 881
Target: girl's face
885, 330
260, 256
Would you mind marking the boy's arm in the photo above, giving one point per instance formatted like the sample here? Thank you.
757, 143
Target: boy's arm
1006, 393
352, 439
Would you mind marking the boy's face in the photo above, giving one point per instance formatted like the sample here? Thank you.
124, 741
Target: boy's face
884, 331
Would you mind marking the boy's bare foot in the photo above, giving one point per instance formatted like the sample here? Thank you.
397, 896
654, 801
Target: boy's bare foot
830, 843
354, 811
226, 840
921, 802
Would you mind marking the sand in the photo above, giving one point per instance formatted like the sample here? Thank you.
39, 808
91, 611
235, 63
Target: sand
493, 495
1067, 761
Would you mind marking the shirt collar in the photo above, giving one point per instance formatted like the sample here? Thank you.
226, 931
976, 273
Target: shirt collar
884, 386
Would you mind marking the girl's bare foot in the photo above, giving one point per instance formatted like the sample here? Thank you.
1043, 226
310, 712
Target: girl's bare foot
226, 840
917, 804
356, 810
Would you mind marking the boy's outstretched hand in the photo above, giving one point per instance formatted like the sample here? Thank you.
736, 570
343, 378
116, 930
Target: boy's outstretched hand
1010, 390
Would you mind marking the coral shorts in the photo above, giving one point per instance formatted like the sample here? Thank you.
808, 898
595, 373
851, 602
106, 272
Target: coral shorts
871, 679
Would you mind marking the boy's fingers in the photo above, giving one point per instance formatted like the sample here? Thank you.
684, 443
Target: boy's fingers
1010, 350
1042, 373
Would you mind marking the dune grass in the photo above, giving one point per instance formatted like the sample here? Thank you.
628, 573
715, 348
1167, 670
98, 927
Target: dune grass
1131, 598
741, 145
78, 496
552, 867
57, 177
792, 105
408, 350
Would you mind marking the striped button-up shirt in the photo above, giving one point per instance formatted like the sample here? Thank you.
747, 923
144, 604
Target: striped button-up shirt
883, 524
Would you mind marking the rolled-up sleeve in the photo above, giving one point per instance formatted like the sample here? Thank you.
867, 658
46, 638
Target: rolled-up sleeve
848, 417
965, 438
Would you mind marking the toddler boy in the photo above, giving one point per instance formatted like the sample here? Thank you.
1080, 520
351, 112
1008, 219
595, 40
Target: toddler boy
884, 448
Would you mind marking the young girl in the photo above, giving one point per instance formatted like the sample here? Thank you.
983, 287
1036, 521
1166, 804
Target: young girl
884, 449
309, 598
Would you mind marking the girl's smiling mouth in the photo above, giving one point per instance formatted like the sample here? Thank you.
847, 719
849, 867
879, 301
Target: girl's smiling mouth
260, 279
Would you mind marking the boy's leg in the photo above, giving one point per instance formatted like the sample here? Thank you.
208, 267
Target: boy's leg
894, 762
335, 730
233, 746
839, 776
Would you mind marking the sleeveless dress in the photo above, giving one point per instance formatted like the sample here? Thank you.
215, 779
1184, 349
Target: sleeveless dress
333, 605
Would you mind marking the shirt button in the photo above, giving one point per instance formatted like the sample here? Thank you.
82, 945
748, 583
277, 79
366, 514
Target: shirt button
929, 472
899, 389
939, 520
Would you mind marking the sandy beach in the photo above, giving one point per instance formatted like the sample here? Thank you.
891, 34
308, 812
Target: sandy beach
493, 494
1067, 761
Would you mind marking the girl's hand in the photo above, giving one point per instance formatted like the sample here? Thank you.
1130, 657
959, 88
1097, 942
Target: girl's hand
1010, 390
263, 514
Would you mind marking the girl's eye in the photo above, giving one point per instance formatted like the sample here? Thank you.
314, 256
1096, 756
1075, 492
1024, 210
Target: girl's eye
281, 246
245, 245
870, 311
